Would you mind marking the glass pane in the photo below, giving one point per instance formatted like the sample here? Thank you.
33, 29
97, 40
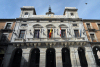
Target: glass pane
63, 33
22, 33
8, 25
36, 33
76, 33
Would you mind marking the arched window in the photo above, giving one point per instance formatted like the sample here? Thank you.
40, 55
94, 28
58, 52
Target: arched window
15, 60
81, 53
1, 55
50, 57
34, 58
96, 53
66, 57
26, 13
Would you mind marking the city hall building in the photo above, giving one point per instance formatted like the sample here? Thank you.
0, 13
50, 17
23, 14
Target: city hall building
52, 40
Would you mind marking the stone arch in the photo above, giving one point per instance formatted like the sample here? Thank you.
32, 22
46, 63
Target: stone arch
82, 57
37, 26
50, 57
50, 26
2, 52
95, 49
34, 57
16, 56
66, 57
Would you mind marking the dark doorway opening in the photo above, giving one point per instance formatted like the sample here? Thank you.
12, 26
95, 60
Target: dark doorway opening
50, 57
2, 52
16, 58
95, 50
81, 53
66, 57
34, 58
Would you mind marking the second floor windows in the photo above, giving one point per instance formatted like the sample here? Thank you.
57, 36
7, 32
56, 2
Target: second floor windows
63, 33
8, 26
88, 25
22, 33
76, 32
26, 13
92, 37
36, 33
99, 26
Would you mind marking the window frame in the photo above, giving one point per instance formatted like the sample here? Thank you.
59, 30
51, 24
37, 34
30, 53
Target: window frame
94, 36
90, 25
7, 23
6, 37
27, 13
78, 33
34, 33
65, 33
20, 32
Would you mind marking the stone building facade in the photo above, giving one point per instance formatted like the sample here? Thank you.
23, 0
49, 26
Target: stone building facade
33, 45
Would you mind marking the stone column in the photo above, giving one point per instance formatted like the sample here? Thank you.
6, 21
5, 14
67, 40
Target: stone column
25, 57
58, 57
74, 57
90, 57
42, 57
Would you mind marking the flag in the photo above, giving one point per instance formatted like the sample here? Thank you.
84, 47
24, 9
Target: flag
60, 31
50, 33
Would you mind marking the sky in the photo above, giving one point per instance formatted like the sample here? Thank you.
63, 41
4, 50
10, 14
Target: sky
11, 8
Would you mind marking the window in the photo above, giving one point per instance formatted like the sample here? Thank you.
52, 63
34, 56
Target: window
4, 37
76, 32
24, 21
36, 33
26, 13
23, 24
72, 14
99, 26
63, 33
74, 24
93, 37
8, 26
22, 33
51, 33
88, 25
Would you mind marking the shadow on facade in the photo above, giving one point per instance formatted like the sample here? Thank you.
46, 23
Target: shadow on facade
66, 57
81, 53
95, 50
34, 58
16, 56
2, 52
50, 57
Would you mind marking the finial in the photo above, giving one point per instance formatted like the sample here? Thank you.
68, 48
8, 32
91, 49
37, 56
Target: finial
49, 8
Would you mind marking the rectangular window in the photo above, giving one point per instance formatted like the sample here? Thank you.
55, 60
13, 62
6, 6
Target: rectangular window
51, 33
4, 37
72, 14
8, 26
36, 33
93, 37
88, 25
76, 32
23, 24
74, 24
22, 33
63, 33
99, 26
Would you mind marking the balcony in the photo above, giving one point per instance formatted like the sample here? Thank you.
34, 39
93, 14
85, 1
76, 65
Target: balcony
91, 29
7, 29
